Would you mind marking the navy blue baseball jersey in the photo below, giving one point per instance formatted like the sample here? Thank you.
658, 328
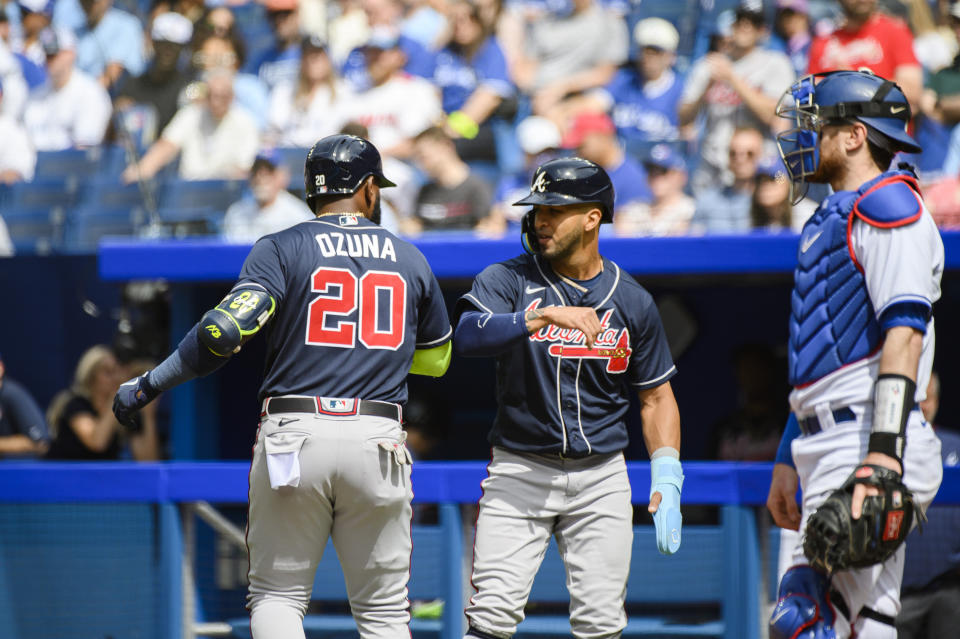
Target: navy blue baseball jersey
353, 302
555, 395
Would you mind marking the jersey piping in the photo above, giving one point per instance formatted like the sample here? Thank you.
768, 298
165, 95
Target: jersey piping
576, 385
438, 341
656, 379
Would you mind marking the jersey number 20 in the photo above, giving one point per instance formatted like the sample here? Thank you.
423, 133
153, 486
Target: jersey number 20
341, 292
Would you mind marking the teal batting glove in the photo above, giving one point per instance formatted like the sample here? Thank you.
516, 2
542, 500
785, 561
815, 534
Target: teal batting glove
666, 478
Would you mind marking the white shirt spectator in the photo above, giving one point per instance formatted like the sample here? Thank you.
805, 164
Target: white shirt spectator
16, 151
14, 86
6, 244
397, 110
245, 221
211, 150
301, 125
75, 115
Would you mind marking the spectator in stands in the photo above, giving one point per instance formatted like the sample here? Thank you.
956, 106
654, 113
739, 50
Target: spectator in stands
35, 16
930, 597
595, 138
12, 76
385, 16
452, 198
941, 99
770, 208
281, 62
568, 53
216, 21
271, 208
397, 106
425, 21
310, 107
110, 43
23, 427
671, 210
159, 88
218, 53
472, 75
396, 203
540, 141
726, 209
216, 140
643, 99
752, 431
84, 426
72, 109
18, 158
738, 87
791, 33
869, 39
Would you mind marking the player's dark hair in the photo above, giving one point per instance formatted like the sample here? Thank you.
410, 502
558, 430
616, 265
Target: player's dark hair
881, 155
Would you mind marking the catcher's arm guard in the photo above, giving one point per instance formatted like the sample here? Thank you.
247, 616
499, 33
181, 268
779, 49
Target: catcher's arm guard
835, 541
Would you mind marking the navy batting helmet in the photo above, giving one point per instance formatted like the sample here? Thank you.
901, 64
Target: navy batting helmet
841, 96
338, 165
566, 181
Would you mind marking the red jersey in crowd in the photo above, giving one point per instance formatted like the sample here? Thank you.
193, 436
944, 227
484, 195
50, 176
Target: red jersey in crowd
882, 45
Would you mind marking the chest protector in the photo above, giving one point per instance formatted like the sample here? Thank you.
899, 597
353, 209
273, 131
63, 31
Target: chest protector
833, 321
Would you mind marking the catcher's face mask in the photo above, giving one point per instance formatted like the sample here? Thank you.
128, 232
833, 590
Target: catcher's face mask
799, 146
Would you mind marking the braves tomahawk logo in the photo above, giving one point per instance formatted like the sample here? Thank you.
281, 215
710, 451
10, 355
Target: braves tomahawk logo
612, 344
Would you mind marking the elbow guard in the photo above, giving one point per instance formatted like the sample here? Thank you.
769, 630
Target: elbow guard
237, 318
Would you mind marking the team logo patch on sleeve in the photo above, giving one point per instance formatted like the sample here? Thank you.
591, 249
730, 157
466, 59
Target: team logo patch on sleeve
612, 344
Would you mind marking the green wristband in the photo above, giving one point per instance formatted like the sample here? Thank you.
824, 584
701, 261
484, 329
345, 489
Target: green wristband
463, 124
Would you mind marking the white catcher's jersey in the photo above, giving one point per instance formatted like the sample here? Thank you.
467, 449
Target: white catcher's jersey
896, 267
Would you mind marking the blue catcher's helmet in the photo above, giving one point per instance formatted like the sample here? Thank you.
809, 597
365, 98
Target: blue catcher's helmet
338, 165
566, 181
834, 97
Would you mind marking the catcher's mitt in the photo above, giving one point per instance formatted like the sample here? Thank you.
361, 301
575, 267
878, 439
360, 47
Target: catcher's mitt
834, 540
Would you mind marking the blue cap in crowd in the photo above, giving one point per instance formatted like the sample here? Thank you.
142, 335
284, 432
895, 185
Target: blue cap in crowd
771, 167
269, 156
44, 7
665, 156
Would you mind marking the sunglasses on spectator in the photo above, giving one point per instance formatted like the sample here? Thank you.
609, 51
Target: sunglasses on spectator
748, 153
279, 14
656, 171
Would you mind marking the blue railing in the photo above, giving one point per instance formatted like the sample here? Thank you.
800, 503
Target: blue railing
135, 507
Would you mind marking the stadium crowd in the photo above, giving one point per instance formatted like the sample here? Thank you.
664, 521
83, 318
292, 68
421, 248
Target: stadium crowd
463, 97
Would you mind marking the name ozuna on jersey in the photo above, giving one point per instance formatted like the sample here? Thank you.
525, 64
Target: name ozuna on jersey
356, 245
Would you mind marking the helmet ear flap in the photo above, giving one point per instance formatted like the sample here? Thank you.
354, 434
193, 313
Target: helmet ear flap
528, 236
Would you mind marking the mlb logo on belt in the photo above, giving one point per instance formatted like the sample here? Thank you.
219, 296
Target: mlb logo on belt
337, 405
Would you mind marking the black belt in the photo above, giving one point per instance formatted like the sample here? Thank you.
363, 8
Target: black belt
332, 407
811, 425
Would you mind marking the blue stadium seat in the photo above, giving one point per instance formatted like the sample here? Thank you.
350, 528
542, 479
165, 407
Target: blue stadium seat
87, 224
191, 221
69, 162
192, 194
108, 192
293, 160
34, 229
42, 192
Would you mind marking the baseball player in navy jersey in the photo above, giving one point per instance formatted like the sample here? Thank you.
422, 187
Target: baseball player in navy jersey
860, 351
572, 334
348, 310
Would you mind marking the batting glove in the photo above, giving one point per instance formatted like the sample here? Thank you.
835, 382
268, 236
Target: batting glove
667, 479
133, 395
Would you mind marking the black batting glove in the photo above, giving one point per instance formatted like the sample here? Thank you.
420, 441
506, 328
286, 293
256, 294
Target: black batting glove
133, 395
